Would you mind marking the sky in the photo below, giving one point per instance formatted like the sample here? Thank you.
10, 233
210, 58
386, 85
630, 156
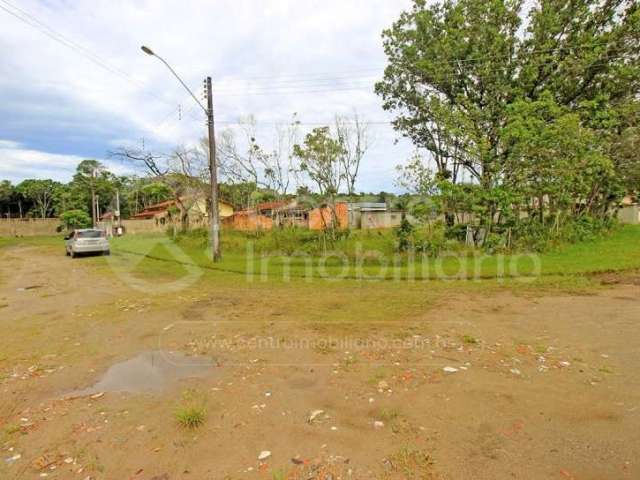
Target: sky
74, 83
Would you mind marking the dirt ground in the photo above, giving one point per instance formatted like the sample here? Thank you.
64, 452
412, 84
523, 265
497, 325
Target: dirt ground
471, 385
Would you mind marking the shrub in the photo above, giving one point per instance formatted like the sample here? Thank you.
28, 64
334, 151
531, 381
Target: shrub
72, 219
191, 413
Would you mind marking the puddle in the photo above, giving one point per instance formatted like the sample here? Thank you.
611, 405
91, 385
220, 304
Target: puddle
148, 372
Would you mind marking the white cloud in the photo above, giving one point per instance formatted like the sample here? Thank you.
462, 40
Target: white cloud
17, 163
268, 58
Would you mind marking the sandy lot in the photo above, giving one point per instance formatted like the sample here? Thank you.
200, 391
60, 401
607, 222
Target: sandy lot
465, 385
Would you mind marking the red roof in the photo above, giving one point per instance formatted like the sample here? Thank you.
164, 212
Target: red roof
271, 205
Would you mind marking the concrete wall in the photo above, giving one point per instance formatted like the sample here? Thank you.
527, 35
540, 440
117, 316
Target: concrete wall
629, 214
388, 219
27, 227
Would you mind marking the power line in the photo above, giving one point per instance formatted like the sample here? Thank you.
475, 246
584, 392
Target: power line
297, 82
280, 84
442, 76
43, 28
287, 78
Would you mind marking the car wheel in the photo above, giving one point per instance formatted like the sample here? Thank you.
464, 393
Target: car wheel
108, 252
73, 254
66, 252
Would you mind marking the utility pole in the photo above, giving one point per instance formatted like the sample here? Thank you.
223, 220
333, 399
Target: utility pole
208, 110
97, 210
93, 198
213, 169
119, 222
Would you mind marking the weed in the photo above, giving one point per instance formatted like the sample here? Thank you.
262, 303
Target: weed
469, 339
411, 464
11, 429
542, 349
324, 348
192, 411
279, 475
377, 376
388, 414
190, 417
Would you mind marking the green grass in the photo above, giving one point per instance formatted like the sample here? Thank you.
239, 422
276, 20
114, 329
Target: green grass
190, 417
411, 464
469, 339
619, 250
157, 256
192, 412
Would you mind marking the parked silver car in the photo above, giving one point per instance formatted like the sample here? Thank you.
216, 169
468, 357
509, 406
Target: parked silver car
87, 240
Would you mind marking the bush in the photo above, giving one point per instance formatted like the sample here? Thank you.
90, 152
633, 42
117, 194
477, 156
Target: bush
72, 219
404, 235
430, 240
533, 235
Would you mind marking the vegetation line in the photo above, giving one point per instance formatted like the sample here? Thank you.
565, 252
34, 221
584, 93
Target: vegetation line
384, 278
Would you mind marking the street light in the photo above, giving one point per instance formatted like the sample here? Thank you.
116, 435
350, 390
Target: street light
208, 110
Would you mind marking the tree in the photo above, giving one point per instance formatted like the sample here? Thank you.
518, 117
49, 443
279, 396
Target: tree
555, 163
95, 183
41, 193
456, 66
354, 136
184, 172
72, 219
7, 193
246, 161
319, 157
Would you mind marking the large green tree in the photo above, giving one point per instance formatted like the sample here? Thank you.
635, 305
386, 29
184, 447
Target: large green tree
92, 179
319, 157
459, 70
7, 193
41, 193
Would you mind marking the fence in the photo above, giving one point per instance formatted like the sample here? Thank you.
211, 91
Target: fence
28, 227
136, 226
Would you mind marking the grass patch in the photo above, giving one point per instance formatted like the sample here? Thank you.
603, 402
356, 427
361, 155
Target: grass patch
377, 376
411, 464
469, 339
192, 412
388, 414
279, 475
617, 251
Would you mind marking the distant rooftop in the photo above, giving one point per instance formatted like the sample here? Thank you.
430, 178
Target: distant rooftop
368, 206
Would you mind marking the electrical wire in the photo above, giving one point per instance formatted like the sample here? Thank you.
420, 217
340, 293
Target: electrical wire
43, 28
288, 84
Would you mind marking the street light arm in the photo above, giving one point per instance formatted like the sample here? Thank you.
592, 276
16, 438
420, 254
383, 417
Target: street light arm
180, 80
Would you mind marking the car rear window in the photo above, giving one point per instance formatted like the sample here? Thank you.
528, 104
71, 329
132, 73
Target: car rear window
90, 234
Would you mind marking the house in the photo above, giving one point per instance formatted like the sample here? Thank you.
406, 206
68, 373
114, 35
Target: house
367, 215
294, 213
259, 217
322, 217
197, 210
247, 220
287, 213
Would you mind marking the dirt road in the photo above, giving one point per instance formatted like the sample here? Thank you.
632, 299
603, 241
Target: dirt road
473, 386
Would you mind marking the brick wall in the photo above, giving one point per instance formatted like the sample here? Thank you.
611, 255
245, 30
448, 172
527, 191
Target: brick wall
320, 217
248, 221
